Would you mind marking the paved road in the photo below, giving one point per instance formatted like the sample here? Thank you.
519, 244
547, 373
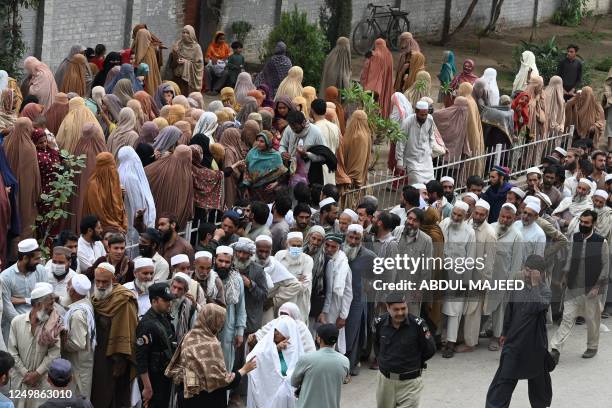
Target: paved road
462, 382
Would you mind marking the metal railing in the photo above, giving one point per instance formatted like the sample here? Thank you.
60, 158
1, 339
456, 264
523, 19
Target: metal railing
387, 185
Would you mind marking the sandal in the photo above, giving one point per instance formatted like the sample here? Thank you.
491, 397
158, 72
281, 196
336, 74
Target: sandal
347, 379
494, 345
449, 352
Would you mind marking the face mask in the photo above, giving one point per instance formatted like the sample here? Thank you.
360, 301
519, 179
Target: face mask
584, 230
59, 269
295, 252
145, 251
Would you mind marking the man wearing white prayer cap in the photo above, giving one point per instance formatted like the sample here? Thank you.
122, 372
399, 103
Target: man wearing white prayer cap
413, 153
25, 334
515, 196
179, 263
570, 208
207, 278
299, 265
346, 218
80, 325
470, 199
486, 239
18, 280
603, 226
459, 242
560, 153
144, 271
59, 272
448, 186
533, 235
328, 213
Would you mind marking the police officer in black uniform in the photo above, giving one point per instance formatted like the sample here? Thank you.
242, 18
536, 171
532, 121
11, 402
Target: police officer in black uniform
402, 343
155, 345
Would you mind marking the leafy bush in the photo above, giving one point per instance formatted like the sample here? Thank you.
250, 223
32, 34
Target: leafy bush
570, 13
306, 44
12, 47
335, 19
548, 54
604, 64
241, 29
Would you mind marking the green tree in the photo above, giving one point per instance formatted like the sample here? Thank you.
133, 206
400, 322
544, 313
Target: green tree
335, 19
12, 47
306, 44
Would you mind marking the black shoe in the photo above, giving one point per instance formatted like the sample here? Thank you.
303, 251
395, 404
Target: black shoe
605, 315
580, 320
355, 371
589, 353
555, 355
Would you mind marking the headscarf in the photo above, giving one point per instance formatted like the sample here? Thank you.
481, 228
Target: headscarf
489, 76
258, 95
185, 129
401, 107
276, 69
288, 102
584, 112
250, 106
528, 62
291, 86
268, 101
123, 90
4, 78
113, 105
57, 112
124, 134
171, 184
263, 167
199, 98
9, 210
192, 69
144, 50
480, 93
182, 101
103, 196
235, 148
249, 133
215, 106
448, 69
420, 88
135, 105
32, 111
167, 139
198, 361
74, 79
90, 144
112, 74
266, 119
377, 75
407, 45
555, 104
148, 133
175, 113
244, 84
466, 75
333, 95
206, 125
8, 113
160, 101
475, 132
302, 106
357, 148
417, 64
125, 72
452, 123
60, 72
337, 69
228, 97
521, 115
137, 192
42, 82
538, 123
204, 143
218, 51
22, 159
160, 123
72, 126
111, 60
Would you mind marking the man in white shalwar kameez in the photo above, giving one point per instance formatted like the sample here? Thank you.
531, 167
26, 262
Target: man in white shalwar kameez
330, 133
603, 227
533, 235
459, 244
508, 262
569, 209
80, 340
338, 287
413, 153
276, 355
299, 265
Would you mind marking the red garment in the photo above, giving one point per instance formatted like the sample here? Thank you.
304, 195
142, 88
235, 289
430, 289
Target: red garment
377, 75
99, 61
125, 55
47, 160
521, 111
465, 76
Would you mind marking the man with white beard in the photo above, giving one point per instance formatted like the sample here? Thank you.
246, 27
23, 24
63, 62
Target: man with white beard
207, 278
314, 248
116, 314
486, 240
195, 293
144, 271
338, 287
533, 235
361, 262
570, 208
508, 262
79, 340
414, 243
32, 354
459, 243
299, 265
183, 310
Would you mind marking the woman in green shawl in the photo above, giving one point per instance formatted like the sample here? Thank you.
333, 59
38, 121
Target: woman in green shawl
446, 75
264, 169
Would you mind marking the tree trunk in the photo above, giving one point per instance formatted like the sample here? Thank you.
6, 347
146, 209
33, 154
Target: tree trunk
495, 12
466, 18
534, 21
445, 36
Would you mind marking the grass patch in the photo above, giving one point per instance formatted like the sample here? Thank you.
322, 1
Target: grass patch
602, 64
595, 36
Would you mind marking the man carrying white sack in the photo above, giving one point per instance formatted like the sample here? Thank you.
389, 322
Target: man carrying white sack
413, 153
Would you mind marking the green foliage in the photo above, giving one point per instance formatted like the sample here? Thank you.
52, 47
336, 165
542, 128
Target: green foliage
381, 127
12, 47
241, 29
570, 13
446, 89
306, 44
603, 64
62, 189
548, 54
335, 19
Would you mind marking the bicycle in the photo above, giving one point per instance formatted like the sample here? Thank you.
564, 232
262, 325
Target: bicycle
369, 29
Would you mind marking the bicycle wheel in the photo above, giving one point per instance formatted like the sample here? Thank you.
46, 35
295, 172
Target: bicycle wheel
364, 36
399, 25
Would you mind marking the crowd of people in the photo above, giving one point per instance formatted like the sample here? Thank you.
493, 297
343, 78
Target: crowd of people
281, 258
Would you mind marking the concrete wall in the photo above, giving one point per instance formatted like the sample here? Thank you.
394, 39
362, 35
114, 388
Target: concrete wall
89, 22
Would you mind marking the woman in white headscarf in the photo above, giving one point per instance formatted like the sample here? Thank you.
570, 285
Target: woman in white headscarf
527, 71
490, 78
277, 355
292, 310
137, 194
206, 125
